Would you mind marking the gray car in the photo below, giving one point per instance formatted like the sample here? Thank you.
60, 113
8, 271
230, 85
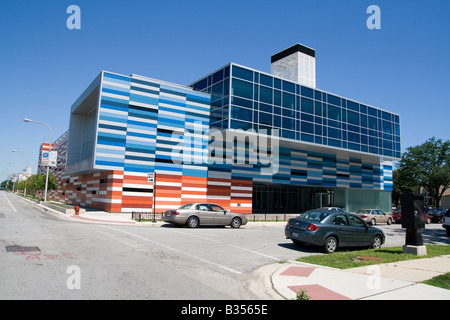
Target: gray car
194, 214
331, 229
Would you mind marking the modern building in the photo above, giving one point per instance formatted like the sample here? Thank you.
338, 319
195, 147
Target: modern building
245, 139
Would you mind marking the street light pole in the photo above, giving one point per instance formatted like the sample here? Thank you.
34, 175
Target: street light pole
50, 150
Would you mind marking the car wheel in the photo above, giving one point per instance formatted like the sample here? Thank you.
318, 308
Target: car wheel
389, 222
330, 245
376, 242
373, 222
192, 222
235, 223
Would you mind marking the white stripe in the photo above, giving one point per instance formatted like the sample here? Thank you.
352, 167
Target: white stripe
175, 250
116, 84
116, 96
9, 203
228, 244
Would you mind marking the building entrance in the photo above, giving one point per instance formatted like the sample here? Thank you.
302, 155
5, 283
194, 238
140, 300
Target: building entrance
268, 198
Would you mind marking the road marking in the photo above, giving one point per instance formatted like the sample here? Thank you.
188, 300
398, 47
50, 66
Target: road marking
228, 244
9, 202
174, 250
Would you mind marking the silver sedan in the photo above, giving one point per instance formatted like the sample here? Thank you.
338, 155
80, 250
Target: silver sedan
194, 214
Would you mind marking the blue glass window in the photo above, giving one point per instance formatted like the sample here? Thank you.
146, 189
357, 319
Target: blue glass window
277, 83
242, 102
240, 125
386, 115
363, 109
277, 97
307, 127
334, 112
288, 134
387, 127
288, 86
334, 143
318, 95
353, 117
334, 133
373, 123
354, 137
352, 105
307, 137
288, 123
266, 80
242, 73
265, 118
318, 129
241, 113
364, 121
266, 107
217, 91
317, 108
265, 94
277, 121
372, 112
307, 105
397, 129
288, 100
288, 113
334, 100
307, 92
242, 88
218, 76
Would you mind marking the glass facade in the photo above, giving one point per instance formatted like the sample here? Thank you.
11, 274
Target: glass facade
243, 98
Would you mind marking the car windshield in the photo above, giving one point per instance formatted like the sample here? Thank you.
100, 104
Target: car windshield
186, 206
315, 215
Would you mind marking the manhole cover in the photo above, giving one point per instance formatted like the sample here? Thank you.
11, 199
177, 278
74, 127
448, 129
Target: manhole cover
21, 249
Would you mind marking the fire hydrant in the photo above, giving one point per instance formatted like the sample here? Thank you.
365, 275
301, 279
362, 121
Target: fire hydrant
77, 210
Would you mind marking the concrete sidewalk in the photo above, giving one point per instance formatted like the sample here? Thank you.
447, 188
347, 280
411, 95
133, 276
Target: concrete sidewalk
391, 281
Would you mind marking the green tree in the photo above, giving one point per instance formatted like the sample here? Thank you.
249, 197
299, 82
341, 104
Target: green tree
403, 183
37, 182
428, 165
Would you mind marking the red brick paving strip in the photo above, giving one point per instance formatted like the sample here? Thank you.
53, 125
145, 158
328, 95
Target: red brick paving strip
317, 292
298, 271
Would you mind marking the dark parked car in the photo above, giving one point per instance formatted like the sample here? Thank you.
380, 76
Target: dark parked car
331, 229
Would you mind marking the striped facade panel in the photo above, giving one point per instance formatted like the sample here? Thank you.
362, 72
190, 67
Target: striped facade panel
148, 126
312, 169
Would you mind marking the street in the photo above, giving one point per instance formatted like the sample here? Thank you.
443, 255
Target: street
76, 260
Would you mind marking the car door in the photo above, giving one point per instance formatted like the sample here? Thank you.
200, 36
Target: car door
343, 229
359, 230
221, 216
204, 213
381, 217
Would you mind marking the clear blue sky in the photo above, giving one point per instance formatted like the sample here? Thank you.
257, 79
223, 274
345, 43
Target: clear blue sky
404, 67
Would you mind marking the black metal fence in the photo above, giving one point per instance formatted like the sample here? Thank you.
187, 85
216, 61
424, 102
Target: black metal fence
158, 216
147, 216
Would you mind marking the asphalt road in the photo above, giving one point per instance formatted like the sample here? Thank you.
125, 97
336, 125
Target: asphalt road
102, 261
